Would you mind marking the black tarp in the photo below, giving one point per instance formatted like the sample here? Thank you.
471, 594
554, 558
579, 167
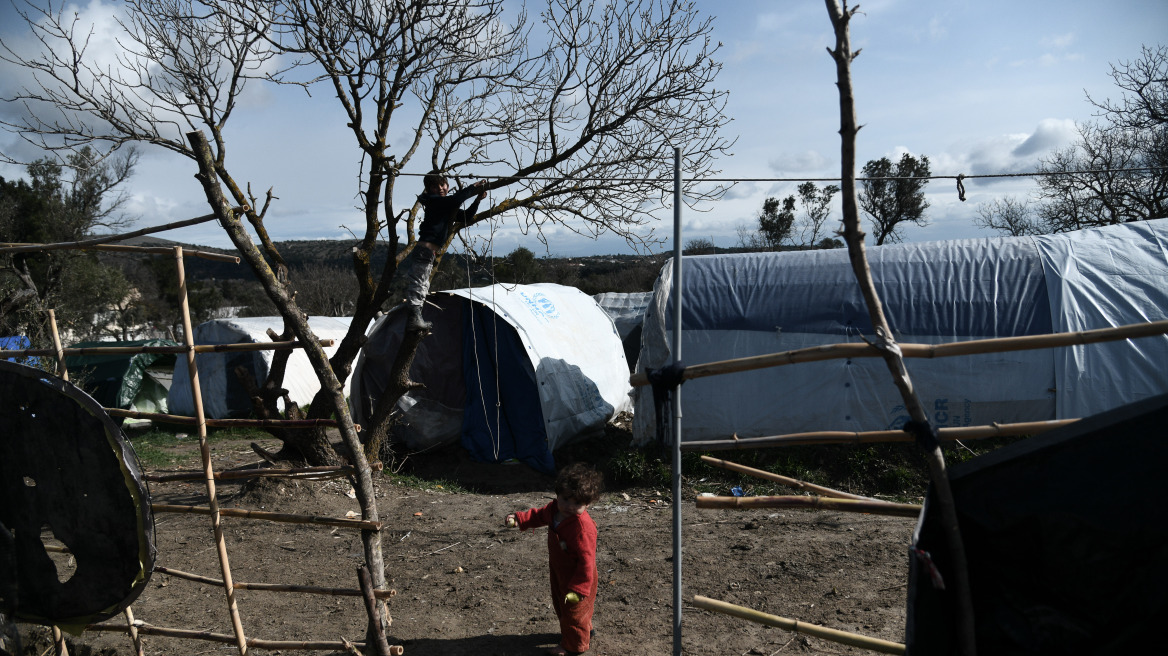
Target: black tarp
1066, 537
68, 478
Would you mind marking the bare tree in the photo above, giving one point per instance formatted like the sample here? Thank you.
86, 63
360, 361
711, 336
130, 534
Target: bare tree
579, 128
1009, 216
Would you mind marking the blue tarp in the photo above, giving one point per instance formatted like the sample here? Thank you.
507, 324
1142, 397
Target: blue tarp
744, 305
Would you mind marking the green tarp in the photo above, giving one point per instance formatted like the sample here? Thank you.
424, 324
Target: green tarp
125, 381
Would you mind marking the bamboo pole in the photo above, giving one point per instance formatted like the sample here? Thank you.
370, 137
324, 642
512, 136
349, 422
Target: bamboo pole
222, 423
869, 506
205, 454
782, 480
157, 250
271, 645
139, 650
119, 237
927, 351
873, 437
275, 587
199, 348
286, 518
312, 473
833, 635
62, 370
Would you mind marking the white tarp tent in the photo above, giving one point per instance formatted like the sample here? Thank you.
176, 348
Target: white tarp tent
736, 306
513, 371
223, 395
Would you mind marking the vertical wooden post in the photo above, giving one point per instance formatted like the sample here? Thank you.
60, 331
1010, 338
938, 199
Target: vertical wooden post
205, 452
138, 649
59, 640
62, 370
884, 338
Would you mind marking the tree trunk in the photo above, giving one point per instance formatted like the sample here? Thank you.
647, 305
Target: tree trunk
298, 323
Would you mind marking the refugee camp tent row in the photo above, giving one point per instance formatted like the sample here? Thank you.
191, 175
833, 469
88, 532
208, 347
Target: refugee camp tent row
510, 372
129, 381
742, 305
223, 394
627, 311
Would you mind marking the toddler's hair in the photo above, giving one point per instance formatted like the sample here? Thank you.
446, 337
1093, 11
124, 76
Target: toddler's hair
432, 180
579, 482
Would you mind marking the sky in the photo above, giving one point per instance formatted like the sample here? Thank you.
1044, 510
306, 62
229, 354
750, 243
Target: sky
983, 87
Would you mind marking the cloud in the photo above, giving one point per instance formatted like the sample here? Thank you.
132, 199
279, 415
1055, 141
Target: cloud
741, 190
1058, 41
1006, 153
1050, 134
808, 161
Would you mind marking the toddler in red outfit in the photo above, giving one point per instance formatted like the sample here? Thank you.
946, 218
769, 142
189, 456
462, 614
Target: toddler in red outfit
571, 552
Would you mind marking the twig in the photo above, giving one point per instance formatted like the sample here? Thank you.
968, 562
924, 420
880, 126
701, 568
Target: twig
442, 549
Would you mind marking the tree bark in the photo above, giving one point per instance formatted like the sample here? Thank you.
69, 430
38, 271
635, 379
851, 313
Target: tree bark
843, 56
298, 323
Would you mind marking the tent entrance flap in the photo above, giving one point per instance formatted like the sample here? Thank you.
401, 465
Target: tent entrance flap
502, 419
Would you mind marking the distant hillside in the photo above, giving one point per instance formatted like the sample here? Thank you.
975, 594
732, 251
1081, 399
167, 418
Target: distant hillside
592, 274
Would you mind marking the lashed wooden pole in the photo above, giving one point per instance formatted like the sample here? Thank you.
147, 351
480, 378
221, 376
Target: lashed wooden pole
843, 55
205, 453
823, 632
296, 320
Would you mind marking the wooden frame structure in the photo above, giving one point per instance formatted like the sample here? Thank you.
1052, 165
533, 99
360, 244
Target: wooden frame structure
135, 627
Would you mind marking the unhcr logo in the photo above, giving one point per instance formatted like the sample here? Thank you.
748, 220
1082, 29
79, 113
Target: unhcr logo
541, 306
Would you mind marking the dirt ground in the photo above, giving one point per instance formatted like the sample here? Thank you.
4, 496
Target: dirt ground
467, 585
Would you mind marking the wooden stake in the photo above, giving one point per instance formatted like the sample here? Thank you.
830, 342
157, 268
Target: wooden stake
134, 637
59, 646
275, 587
834, 635
205, 454
782, 480
286, 518
62, 370
871, 506
872, 437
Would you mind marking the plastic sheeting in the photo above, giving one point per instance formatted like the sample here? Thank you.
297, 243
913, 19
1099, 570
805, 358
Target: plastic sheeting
124, 380
751, 304
69, 478
223, 395
515, 373
1066, 543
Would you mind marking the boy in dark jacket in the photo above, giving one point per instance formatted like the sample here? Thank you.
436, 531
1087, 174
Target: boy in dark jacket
571, 552
441, 212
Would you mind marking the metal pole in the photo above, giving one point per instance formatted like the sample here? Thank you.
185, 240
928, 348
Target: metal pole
677, 403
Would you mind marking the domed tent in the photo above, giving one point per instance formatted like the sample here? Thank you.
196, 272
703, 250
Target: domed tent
129, 381
513, 371
742, 305
223, 395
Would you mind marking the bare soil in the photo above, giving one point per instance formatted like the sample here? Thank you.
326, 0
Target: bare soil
467, 585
